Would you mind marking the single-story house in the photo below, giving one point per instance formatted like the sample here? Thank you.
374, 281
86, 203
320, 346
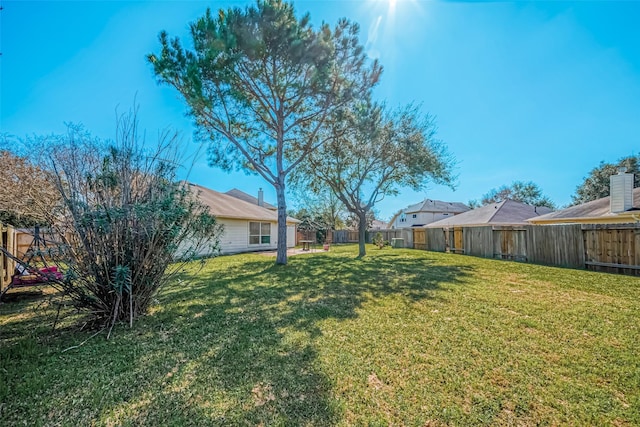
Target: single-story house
506, 212
426, 212
247, 226
621, 207
239, 194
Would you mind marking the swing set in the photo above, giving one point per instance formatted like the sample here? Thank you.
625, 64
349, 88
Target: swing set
33, 267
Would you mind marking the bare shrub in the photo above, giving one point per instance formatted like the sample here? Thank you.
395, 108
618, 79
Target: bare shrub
126, 224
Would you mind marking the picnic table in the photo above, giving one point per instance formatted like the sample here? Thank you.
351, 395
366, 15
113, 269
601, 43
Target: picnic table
306, 244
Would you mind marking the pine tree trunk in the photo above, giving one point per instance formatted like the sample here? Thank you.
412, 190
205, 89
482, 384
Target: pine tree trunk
281, 257
362, 233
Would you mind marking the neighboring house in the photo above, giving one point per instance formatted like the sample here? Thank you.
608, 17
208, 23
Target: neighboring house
247, 226
378, 225
623, 206
238, 194
426, 212
506, 212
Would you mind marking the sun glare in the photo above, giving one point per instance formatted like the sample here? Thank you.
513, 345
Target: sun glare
384, 21
392, 5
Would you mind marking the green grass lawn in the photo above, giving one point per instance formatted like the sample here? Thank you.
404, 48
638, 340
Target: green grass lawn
400, 337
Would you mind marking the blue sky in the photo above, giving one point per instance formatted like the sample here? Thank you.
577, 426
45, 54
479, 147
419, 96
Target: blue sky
535, 91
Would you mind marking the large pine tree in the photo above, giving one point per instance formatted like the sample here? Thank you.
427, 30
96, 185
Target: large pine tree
261, 85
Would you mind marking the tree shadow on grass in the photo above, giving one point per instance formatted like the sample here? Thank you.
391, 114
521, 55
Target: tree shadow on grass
28, 312
268, 317
235, 345
21, 294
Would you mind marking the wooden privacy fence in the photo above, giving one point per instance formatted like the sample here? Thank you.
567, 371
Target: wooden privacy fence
6, 264
344, 236
601, 247
17, 242
348, 236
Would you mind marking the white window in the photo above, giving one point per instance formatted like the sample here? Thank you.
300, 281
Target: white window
414, 216
259, 233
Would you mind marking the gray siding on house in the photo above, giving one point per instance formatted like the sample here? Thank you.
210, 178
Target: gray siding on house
426, 212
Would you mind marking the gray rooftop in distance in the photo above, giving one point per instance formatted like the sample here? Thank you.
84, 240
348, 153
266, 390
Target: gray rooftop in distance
507, 212
595, 209
430, 205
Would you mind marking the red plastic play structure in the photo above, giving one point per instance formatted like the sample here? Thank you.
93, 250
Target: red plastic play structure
30, 271
35, 276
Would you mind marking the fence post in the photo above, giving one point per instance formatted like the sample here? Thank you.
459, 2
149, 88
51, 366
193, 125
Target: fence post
3, 258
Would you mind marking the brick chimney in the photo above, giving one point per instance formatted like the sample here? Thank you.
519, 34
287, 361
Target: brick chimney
260, 197
621, 189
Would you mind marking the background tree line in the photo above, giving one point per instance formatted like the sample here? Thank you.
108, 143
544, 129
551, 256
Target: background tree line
594, 186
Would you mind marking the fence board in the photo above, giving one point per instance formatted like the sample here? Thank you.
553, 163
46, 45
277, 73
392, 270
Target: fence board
387, 235
613, 248
407, 235
478, 241
458, 240
420, 239
561, 245
510, 243
3, 264
350, 236
436, 240
339, 236
345, 236
636, 246
7, 265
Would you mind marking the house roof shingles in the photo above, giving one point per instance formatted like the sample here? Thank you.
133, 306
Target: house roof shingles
596, 209
225, 206
429, 205
239, 194
507, 212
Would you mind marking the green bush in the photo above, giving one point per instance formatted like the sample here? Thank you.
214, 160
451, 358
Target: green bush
378, 240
